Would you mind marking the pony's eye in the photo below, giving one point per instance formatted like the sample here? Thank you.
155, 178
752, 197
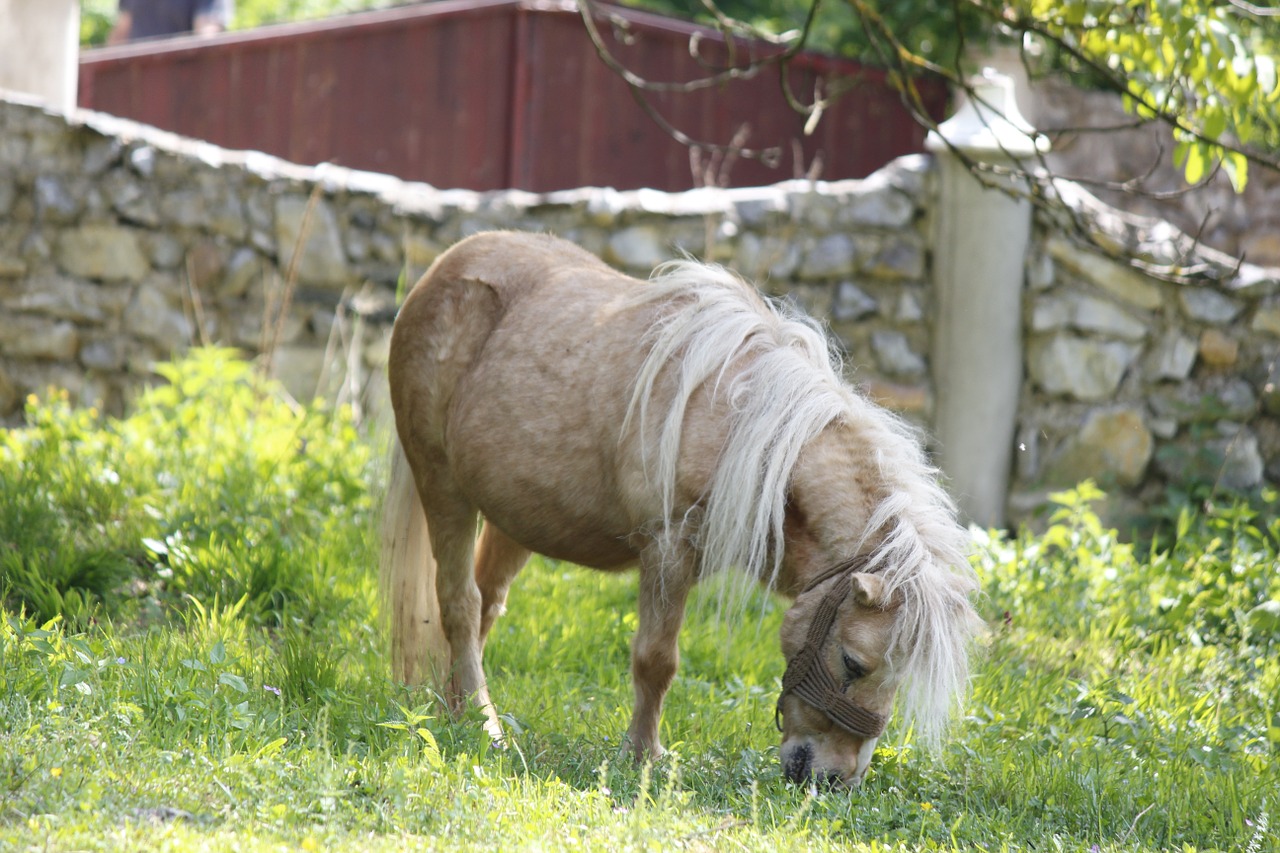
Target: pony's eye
854, 669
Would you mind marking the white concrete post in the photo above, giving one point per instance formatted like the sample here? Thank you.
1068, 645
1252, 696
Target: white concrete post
40, 49
980, 244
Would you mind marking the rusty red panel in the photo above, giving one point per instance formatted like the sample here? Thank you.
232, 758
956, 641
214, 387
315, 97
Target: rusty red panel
484, 94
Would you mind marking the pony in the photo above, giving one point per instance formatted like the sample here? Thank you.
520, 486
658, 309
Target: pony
683, 425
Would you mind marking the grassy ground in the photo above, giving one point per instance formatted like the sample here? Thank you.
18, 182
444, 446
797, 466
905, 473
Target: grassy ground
190, 658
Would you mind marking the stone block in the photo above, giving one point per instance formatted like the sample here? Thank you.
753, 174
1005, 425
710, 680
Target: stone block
40, 338
1121, 281
1174, 357
321, 258
901, 257
879, 205
1230, 461
63, 298
104, 252
1208, 306
832, 256
894, 355
1112, 447
152, 317
10, 394
852, 303
1218, 349
639, 248
1078, 367
1267, 319
768, 257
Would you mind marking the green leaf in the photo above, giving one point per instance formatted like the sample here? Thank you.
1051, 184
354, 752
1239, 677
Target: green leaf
233, 681
1236, 166
1196, 163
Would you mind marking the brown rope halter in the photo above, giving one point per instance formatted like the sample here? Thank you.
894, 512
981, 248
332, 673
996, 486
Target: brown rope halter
807, 674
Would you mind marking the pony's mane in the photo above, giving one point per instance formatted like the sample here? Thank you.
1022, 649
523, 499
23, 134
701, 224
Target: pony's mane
785, 387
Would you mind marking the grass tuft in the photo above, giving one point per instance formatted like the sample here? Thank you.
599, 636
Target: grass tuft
189, 658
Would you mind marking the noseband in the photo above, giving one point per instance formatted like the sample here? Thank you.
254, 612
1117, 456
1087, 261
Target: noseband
807, 674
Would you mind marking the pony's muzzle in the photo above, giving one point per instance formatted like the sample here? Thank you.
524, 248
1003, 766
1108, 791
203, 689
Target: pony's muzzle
802, 764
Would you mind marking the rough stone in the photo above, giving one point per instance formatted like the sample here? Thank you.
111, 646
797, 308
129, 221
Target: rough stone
12, 266
766, 258
1040, 271
101, 155
10, 396
1207, 401
909, 308
63, 298
894, 354
8, 193
321, 260
1208, 306
879, 206
301, 369
1112, 447
242, 270
128, 198
901, 257
1267, 319
105, 252
852, 303
166, 251
1174, 357
1217, 349
1087, 314
1231, 462
1079, 367
640, 247
39, 338
1123, 282
153, 318
56, 201
832, 256
103, 354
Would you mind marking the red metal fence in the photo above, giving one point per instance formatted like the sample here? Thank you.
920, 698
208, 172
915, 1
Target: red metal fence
490, 94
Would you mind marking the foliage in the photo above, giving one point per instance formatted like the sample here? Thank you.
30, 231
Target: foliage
98, 16
1204, 67
1207, 67
255, 13
1126, 698
86, 502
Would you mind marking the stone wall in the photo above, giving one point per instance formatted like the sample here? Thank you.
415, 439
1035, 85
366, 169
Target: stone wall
121, 245
1143, 383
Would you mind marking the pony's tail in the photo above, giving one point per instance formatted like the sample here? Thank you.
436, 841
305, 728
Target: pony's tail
419, 650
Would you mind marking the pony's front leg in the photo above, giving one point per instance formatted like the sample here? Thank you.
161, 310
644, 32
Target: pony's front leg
655, 652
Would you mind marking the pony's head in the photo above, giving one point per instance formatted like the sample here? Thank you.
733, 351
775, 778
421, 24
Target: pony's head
851, 640
893, 621
840, 685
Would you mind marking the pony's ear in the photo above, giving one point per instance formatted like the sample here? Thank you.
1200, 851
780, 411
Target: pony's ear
868, 590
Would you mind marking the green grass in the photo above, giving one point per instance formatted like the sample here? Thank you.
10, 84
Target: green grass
190, 658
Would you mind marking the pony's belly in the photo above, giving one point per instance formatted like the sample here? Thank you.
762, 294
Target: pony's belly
592, 551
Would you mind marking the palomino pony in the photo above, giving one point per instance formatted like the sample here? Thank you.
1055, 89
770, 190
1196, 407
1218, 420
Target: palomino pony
683, 425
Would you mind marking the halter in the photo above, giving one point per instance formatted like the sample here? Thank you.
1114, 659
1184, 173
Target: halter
807, 674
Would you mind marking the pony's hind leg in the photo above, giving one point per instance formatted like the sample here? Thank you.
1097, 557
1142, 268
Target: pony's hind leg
452, 524
499, 558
